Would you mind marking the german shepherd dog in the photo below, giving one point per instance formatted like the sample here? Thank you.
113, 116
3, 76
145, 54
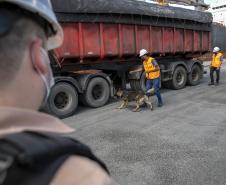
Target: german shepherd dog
140, 98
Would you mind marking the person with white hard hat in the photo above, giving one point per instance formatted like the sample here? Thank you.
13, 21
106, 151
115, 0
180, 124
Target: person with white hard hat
152, 71
32, 149
216, 63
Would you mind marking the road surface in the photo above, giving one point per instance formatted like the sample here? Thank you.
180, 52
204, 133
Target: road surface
182, 143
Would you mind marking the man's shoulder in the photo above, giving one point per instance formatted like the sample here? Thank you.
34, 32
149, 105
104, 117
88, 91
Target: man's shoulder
150, 60
80, 170
55, 150
154, 62
35, 146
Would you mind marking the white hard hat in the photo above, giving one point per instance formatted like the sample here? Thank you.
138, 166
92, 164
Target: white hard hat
216, 49
43, 8
143, 52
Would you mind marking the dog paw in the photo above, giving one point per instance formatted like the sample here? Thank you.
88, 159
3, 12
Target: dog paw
119, 108
122, 107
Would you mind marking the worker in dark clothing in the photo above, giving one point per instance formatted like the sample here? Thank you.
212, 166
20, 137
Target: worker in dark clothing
216, 63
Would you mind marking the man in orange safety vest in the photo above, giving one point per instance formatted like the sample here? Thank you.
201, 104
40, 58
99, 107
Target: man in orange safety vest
217, 60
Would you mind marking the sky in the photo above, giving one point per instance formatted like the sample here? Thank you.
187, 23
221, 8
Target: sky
208, 1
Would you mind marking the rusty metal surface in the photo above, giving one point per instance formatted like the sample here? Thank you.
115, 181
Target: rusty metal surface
99, 42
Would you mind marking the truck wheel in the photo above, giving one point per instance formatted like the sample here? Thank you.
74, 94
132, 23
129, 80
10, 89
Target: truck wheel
143, 82
195, 75
140, 84
179, 78
133, 85
97, 93
63, 100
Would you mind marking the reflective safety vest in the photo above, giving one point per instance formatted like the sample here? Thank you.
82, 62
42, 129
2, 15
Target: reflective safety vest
216, 60
148, 66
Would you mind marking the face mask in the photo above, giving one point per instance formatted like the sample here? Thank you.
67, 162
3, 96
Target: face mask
48, 79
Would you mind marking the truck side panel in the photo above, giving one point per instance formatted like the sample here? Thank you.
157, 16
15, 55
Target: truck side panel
110, 40
98, 41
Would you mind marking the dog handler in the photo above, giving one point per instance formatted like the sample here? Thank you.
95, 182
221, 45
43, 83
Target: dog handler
153, 73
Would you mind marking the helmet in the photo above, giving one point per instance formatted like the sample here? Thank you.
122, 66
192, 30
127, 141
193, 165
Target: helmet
216, 49
44, 9
143, 52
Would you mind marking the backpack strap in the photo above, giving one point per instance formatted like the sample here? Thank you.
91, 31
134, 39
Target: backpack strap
31, 158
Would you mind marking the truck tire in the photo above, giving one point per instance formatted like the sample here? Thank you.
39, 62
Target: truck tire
143, 82
63, 100
179, 78
135, 85
195, 75
97, 93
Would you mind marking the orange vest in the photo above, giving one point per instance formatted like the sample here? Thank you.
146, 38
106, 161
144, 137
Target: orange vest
216, 60
148, 66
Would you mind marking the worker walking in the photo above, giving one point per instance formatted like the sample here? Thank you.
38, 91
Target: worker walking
217, 60
33, 150
153, 73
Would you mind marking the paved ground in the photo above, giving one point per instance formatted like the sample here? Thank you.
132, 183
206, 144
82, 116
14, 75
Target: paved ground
183, 142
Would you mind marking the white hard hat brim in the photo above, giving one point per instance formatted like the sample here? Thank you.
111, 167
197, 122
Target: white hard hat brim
56, 39
141, 55
216, 51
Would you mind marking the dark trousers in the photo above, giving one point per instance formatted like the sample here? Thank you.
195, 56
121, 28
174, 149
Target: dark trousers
156, 84
212, 69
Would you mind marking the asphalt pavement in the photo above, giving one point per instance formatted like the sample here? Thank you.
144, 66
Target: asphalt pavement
182, 143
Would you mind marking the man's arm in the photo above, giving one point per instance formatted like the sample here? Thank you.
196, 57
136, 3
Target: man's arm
221, 60
136, 70
81, 171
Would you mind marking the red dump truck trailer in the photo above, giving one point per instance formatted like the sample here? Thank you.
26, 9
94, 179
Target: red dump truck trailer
102, 42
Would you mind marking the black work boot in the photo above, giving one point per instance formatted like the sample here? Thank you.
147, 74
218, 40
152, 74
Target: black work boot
160, 104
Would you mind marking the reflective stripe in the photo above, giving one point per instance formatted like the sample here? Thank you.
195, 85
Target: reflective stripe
148, 66
216, 60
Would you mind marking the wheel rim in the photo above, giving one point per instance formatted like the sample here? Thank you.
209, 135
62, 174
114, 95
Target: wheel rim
195, 75
62, 100
97, 92
180, 78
